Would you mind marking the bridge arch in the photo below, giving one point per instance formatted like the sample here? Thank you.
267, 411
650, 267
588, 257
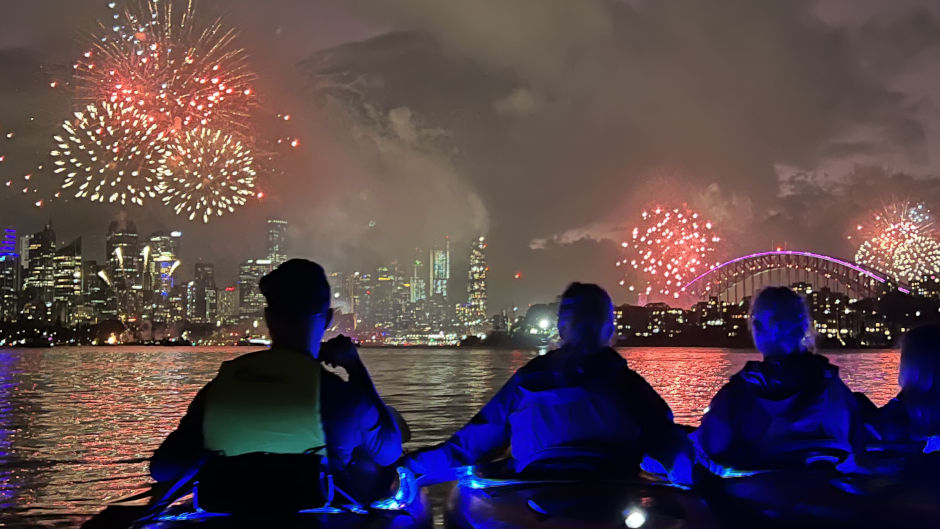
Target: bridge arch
745, 275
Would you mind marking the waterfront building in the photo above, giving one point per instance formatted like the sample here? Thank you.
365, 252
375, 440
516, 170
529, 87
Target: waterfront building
250, 298
39, 284
476, 283
277, 242
10, 277
227, 304
201, 303
419, 277
123, 268
439, 270
67, 274
160, 259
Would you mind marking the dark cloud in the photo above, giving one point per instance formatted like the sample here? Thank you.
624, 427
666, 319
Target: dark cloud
547, 124
564, 116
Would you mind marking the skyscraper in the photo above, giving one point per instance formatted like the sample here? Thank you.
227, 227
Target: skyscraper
419, 273
39, 286
277, 241
227, 299
161, 260
250, 298
123, 268
97, 292
439, 267
9, 277
201, 297
476, 282
67, 273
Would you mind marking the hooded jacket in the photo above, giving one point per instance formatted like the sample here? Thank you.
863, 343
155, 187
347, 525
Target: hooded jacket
563, 405
778, 412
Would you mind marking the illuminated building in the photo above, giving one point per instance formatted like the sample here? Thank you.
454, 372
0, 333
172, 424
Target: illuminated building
631, 320
476, 283
250, 298
277, 241
227, 304
9, 277
419, 273
39, 284
439, 270
67, 273
160, 259
201, 303
97, 292
123, 254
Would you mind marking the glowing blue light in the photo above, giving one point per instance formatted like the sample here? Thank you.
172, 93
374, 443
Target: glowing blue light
932, 444
404, 496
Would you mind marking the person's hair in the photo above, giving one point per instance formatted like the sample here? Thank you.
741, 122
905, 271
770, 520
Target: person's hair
588, 308
783, 312
920, 351
296, 288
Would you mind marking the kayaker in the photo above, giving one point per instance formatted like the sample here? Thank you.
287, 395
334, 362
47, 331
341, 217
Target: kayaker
785, 411
285, 401
577, 409
913, 416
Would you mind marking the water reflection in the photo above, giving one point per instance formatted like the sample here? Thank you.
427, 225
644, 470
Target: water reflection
76, 425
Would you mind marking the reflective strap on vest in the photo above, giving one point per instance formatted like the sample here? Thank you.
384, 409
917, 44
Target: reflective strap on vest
265, 402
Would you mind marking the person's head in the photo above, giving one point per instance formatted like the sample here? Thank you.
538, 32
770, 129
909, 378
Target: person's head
298, 305
920, 359
780, 322
586, 316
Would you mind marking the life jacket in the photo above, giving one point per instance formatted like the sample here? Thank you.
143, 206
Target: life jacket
266, 402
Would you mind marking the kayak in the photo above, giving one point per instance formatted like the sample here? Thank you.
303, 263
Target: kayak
478, 502
408, 508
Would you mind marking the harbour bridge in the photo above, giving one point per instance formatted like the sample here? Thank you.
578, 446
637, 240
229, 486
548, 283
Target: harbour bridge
743, 276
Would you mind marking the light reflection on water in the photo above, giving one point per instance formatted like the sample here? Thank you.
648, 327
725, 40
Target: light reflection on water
76, 424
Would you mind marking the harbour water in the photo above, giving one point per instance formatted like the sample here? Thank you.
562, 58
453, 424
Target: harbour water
77, 424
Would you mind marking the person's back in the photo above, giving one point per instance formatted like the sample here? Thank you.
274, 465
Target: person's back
913, 416
280, 416
579, 408
786, 410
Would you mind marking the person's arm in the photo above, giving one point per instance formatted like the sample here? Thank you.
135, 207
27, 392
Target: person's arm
380, 434
713, 436
485, 436
662, 439
182, 450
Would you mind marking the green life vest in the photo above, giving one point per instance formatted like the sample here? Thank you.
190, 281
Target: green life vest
267, 401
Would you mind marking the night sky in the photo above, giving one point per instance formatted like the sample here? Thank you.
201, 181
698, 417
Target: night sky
543, 124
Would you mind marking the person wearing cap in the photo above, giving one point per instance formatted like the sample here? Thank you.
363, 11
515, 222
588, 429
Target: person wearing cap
286, 401
578, 409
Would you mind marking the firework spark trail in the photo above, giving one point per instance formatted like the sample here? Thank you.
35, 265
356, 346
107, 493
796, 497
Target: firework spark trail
162, 61
109, 153
669, 247
901, 240
206, 173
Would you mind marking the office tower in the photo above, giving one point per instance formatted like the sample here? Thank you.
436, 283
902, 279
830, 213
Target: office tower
439, 268
123, 268
419, 274
250, 299
201, 296
97, 293
67, 274
277, 241
39, 284
160, 260
9, 277
227, 303
476, 282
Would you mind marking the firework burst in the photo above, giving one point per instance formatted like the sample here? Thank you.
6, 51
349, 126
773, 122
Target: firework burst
901, 240
163, 61
205, 173
109, 153
669, 247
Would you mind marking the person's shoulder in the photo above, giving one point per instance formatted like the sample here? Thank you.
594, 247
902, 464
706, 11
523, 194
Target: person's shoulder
242, 359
